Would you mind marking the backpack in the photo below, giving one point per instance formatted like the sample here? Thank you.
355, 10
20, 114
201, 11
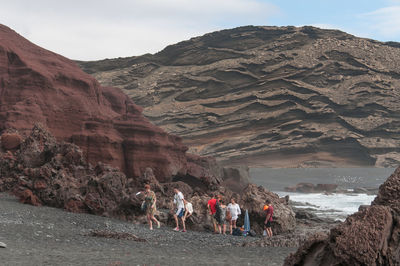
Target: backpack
237, 232
143, 207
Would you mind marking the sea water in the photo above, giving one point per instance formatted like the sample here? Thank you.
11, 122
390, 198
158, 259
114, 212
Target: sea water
336, 205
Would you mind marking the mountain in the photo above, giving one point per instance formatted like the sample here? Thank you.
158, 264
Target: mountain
271, 96
38, 86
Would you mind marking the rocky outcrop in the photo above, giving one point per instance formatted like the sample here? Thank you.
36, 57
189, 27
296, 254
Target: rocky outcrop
311, 188
37, 85
368, 237
271, 96
43, 171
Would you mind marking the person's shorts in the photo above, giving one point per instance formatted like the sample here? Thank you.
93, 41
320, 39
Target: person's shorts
268, 224
214, 219
180, 212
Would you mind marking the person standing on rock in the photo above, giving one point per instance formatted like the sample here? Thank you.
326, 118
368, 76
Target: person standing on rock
180, 209
150, 201
268, 218
234, 210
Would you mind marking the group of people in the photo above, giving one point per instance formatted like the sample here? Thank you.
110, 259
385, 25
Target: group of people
221, 214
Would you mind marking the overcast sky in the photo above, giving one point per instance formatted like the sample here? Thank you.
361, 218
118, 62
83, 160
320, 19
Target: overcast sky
98, 29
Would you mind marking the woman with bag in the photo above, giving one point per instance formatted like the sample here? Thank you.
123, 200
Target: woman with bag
234, 211
149, 206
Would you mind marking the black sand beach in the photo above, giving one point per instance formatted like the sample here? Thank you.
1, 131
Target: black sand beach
49, 236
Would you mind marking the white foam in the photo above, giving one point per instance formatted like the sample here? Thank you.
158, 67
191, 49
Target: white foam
335, 205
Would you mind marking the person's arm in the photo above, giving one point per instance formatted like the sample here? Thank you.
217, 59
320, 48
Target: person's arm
209, 208
238, 209
154, 200
268, 216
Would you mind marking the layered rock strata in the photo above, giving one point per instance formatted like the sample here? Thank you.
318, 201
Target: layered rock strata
369, 237
271, 96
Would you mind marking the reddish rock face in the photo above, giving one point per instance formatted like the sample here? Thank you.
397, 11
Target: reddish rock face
37, 85
10, 141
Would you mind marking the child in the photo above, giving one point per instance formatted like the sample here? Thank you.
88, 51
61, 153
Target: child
188, 210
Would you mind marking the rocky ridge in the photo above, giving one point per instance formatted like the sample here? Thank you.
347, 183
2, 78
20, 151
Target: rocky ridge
271, 96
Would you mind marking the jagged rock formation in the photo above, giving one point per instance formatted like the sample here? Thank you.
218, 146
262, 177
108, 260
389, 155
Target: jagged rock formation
272, 96
369, 237
42, 171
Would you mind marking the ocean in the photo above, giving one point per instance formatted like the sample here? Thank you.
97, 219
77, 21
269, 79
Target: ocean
336, 206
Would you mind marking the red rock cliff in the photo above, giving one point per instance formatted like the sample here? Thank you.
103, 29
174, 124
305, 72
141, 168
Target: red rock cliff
37, 85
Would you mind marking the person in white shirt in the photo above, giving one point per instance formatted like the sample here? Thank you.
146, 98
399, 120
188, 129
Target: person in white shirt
188, 210
180, 209
234, 211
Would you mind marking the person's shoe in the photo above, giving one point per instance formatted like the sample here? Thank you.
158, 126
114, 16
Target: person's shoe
158, 224
176, 229
183, 231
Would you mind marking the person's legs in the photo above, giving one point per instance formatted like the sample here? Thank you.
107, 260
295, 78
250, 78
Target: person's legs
155, 220
224, 230
219, 228
149, 221
183, 224
176, 221
230, 226
234, 223
214, 224
269, 231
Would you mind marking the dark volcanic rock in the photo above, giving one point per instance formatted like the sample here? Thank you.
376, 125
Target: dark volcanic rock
272, 96
369, 237
311, 188
46, 172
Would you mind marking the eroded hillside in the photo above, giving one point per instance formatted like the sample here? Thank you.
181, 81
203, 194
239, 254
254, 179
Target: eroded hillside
271, 96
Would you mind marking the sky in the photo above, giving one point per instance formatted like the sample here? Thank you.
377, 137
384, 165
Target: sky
98, 29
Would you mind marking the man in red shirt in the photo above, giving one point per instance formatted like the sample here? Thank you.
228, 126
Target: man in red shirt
211, 206
268, 218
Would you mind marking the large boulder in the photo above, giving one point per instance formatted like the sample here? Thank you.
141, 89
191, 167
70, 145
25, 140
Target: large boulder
10, 141
236, 178
369, 237
253, 199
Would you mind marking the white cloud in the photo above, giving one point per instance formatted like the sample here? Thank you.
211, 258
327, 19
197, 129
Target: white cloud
98, 29
385, 21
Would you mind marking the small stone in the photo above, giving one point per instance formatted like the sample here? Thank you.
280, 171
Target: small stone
2, 245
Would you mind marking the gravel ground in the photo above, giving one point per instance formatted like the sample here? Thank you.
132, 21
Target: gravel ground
49, 236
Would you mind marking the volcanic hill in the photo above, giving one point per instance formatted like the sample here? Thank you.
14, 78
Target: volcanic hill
271, 96
39, 86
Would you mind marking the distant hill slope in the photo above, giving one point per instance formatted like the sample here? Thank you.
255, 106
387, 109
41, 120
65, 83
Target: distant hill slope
271, 96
